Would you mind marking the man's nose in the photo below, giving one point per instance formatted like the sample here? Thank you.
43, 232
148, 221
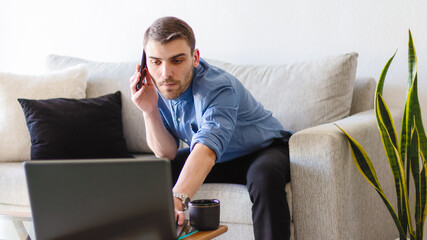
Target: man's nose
166, 70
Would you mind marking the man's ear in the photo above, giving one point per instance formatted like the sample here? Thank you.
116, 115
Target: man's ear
196, 57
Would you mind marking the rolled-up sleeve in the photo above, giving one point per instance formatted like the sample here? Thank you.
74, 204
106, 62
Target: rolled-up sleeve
218, 121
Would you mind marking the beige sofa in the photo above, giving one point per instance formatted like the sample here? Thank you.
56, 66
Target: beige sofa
328, 198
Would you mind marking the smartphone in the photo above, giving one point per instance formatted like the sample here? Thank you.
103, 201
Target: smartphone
142, 71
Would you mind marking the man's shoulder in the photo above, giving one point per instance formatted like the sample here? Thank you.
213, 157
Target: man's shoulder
211, 77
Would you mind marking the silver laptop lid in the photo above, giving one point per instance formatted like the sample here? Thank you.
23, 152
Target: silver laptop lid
101, 199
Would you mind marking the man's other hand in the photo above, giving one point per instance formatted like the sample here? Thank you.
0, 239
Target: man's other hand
179, 212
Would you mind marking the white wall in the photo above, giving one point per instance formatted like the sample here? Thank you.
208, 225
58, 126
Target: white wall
238, 31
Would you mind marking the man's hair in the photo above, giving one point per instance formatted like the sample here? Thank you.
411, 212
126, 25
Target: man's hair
166, 29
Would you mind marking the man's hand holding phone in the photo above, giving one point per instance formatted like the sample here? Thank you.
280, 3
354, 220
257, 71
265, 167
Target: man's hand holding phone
144, 92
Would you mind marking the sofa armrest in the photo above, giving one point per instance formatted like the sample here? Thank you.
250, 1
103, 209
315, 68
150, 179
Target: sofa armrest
331, 199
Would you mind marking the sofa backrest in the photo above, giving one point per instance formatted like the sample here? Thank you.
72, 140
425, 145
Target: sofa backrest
363, 95
300, 95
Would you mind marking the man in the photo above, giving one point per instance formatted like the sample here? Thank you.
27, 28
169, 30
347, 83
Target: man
231, 137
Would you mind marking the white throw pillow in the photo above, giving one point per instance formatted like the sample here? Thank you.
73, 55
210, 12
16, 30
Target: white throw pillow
301, 95
15, 140
108, 77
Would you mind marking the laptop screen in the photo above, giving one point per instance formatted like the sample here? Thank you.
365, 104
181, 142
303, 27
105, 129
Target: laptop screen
101, 199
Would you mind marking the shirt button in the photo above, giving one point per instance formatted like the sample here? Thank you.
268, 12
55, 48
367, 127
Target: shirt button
179, 119
185, 140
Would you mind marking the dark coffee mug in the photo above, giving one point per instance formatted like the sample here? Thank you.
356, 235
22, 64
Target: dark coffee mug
204, 214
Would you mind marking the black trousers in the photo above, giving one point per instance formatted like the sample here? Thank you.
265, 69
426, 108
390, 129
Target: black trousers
265, 173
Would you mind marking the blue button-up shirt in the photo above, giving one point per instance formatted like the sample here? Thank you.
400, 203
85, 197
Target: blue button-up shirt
219, 112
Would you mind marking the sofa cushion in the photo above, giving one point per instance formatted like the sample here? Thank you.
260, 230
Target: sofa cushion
301, 95
64, 128
13, 185
104, 78
15, 138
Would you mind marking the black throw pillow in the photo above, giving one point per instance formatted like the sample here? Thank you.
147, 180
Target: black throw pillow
76, 128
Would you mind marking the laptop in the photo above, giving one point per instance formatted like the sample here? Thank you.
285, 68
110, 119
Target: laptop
102, 199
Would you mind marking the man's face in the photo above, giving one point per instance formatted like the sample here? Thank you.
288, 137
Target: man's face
171, 66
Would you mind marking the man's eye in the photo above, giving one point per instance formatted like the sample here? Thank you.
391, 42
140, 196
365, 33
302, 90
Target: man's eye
155, 62
177, 61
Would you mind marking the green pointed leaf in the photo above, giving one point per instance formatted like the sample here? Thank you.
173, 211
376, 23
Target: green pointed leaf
365, 167
395, 165
407, 117
362, 161
404, 142
416, 113
416, 174
395, 162
384, 116
379, 90
404, 132
412, 60
380, 84
417, 123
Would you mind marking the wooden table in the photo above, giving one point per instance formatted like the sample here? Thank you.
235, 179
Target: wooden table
206, 235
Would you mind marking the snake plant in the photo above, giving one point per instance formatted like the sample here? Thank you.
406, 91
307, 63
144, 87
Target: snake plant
406, 158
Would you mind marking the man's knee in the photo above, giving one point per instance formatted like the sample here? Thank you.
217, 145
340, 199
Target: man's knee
265, 176
270, 170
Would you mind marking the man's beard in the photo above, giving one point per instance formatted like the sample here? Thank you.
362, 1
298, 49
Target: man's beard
171, 94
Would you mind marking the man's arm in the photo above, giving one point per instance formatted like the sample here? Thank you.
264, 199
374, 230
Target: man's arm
160, 141
198, 165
